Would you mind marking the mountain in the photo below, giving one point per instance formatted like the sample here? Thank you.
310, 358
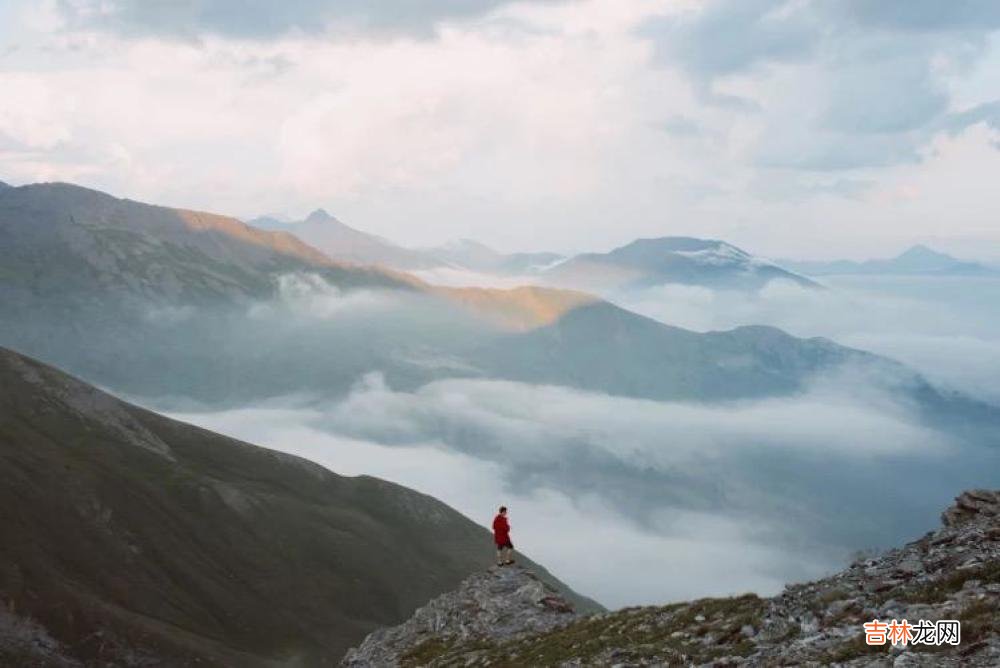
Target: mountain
683, 260
58, 240
640, 264
474, 256
127, 538
347, 244
916, 261
598, 346
159, 302
507, 617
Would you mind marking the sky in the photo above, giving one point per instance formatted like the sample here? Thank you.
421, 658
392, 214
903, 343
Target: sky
793, 128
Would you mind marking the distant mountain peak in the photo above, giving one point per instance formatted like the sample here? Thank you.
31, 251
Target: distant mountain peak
922, 252
4, 185
319, 216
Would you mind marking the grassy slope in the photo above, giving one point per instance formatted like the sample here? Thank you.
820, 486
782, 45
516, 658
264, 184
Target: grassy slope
214, 549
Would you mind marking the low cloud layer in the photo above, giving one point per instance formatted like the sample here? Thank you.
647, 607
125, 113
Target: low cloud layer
590, 545
639, 501
309, 297
523, 424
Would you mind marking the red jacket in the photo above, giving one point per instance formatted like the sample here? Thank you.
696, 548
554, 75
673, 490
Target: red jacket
501, 530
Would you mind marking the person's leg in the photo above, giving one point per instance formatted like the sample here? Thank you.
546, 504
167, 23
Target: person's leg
500, 559
509, 554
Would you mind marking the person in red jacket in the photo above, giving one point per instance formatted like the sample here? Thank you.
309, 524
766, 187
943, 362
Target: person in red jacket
501, 536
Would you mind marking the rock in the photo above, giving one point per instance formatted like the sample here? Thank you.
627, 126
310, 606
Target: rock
884, 586
909, 567
556, 603
970, 504
495, 605
808, 623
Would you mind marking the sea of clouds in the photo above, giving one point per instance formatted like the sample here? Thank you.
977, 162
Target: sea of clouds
636, 501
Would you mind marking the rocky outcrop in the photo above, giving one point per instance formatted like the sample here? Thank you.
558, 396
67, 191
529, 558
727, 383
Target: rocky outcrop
950, 574
24, 643
971, 506
495, 606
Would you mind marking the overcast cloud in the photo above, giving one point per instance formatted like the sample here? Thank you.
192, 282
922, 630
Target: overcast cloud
790, 127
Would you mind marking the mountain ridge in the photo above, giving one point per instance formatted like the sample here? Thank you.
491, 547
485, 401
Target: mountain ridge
651, 262
643, 262
59, 238
342, 242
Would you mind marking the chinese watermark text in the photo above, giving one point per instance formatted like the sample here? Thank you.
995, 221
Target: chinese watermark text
941, 632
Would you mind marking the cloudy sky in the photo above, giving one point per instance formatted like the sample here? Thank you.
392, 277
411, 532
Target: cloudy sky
811, 128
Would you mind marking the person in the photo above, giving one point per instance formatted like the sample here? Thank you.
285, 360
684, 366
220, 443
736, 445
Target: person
501, 536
